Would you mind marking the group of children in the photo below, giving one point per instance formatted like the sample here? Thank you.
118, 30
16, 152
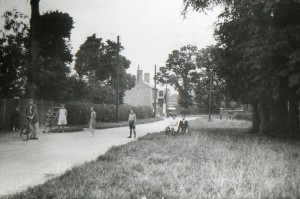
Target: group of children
176, 126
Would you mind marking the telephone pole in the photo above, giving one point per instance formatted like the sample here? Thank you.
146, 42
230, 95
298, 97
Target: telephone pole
209, 103
155, 91
117, 71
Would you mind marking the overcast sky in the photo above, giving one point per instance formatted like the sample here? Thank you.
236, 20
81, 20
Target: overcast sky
148, 29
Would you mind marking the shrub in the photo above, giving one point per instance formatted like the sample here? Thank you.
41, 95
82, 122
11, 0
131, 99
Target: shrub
79, 112
243, 116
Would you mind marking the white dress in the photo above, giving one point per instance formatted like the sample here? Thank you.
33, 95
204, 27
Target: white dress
62, 118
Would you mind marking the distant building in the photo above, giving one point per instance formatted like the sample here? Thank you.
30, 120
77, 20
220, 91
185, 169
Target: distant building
143, 93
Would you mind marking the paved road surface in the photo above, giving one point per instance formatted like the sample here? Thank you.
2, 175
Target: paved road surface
30, 163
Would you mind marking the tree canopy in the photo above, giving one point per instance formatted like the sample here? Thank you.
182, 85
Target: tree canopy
96, 63
258, 42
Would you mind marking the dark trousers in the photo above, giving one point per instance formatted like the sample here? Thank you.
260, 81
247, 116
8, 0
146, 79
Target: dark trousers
132, 128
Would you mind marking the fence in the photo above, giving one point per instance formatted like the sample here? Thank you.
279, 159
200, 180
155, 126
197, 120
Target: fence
7, 107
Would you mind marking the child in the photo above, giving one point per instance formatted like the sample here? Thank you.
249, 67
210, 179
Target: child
48, 123
173, 124
184, 125
92, 121
62, 118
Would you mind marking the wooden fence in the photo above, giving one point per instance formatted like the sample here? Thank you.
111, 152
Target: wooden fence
7, 107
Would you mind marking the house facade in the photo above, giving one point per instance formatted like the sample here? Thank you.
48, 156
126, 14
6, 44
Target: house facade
143, 93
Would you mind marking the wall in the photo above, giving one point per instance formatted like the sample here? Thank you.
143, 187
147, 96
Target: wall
7, 106
140, 95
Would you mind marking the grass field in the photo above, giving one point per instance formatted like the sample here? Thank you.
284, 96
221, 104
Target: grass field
219, 160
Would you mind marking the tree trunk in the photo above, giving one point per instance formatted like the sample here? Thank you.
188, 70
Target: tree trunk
294, 115
255, 118
279, 116
34, 44
264, 115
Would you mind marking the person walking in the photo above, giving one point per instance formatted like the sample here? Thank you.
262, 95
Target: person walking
92, 121
31, 113
132, 121
62, 118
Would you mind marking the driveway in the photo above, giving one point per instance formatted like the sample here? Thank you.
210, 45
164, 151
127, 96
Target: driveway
30, 163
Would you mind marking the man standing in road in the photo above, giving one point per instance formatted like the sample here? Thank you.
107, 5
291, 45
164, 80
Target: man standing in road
32, 113
132, 121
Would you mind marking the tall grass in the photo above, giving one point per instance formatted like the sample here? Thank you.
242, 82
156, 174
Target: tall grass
221, 162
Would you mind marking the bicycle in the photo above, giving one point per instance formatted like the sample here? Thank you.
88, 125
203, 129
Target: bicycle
26, 130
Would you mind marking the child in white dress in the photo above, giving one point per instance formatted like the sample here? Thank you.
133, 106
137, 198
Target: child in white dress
62, 118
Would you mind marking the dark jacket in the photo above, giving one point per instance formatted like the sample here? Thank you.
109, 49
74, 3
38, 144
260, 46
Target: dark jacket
32, 112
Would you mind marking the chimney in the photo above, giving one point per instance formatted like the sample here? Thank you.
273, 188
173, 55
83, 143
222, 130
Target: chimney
139, 77
147, 77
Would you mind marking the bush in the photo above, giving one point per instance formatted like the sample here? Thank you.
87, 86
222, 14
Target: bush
79, 112
243, 116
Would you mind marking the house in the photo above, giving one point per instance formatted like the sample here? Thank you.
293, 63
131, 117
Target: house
143, 93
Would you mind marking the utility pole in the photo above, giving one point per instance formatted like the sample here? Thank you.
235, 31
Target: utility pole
155, 91
209, 103
166, 97
117, 71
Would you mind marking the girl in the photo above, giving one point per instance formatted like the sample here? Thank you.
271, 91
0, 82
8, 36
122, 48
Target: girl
62, 118
92, 121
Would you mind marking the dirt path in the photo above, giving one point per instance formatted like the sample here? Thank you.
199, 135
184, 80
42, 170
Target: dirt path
24, 164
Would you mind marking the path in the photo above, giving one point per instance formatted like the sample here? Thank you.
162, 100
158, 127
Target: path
30, 163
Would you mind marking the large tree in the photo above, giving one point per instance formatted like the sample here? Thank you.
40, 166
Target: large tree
96, 63
54, 54
14, 53
208, 60
179, 69
48, 80
34, 45
260, 59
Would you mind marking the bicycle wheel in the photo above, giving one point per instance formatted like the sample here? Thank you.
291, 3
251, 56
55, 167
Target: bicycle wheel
25, 133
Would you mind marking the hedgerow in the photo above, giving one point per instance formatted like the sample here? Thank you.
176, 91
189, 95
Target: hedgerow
79, 112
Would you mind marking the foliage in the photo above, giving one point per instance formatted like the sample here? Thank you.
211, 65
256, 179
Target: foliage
178, 72
258, 44
79, 112
14, 53
208, 59
96, 63
243, 116
54, 55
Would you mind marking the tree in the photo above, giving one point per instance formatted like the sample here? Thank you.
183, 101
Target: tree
34, 45
267, 69
88, 58
179, 69
96, 64
13, 53
54, 54
207, 69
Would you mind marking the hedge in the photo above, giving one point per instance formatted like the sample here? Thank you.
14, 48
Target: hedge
243, 116
79, 112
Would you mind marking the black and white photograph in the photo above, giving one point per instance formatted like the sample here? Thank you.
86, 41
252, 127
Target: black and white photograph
150, 99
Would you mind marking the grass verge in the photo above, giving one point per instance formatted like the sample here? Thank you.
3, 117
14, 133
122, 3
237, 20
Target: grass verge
219, 160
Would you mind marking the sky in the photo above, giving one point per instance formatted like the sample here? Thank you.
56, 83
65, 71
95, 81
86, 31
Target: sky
149, 30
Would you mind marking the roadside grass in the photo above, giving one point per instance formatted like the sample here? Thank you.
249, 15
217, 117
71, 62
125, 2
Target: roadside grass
219, 160
105, 125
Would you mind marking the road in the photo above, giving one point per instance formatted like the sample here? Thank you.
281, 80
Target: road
29, 163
